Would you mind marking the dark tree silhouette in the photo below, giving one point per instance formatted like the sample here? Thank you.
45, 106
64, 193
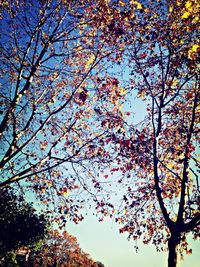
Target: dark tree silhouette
19, 224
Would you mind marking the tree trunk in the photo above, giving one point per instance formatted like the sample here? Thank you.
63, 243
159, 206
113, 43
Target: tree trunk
172, 247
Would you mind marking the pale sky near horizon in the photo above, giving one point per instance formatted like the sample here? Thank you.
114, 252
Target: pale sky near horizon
104, 243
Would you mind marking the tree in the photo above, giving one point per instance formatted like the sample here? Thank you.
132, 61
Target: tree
19, 224
61, 250
157, 159
50, 97
100, 264
63, 109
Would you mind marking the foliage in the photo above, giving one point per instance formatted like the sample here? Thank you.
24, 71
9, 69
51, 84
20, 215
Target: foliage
99, 264
61, 250
52, 98
19, 224
9, 260
158, 158
63, 110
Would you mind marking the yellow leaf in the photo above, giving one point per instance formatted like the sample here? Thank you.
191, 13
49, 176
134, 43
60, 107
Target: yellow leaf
121, 91
193, 50
132, 15
185, 15
179, 3
89, 61
122, 3
195, 47
170, 166
141, 94
174, 218
188, 4
139, 6
174, 83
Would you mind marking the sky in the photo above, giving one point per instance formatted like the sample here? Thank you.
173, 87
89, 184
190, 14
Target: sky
104, 243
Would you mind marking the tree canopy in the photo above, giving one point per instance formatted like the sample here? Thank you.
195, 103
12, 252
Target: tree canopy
67, 68
20, 225
158, 158
61, 250
52, 97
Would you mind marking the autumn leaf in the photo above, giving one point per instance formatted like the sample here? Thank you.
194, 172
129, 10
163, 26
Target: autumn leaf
90, 61
193, 50
185, 15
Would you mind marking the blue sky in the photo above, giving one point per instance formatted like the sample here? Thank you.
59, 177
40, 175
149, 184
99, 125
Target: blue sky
104, 243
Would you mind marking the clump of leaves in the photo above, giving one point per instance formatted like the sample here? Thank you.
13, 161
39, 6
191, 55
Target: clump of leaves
19, 223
